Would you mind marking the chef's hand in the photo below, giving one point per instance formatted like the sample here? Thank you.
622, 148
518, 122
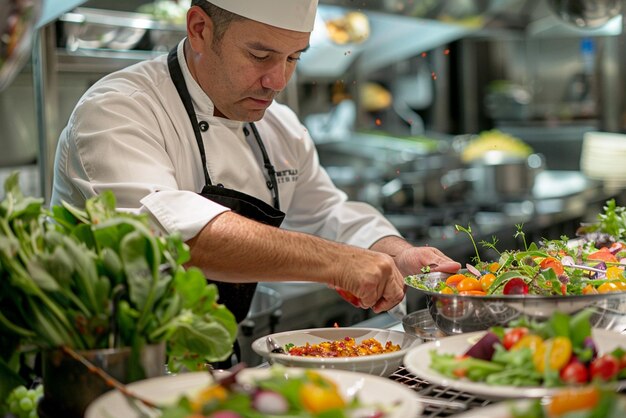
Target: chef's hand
412, 260
372, 278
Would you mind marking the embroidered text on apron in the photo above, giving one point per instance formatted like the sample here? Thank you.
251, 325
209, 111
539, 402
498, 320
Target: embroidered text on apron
236, 297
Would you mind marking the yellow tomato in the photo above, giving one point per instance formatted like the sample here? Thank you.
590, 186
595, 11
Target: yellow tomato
614, 273
528, 341
487, 280
621, 285
608, 287
493, 267
214, 392
557, 351
447, 291
469, 283
318, 399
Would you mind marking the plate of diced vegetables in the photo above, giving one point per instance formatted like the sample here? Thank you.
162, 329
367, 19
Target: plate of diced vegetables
585, 402
264, 392
526, 360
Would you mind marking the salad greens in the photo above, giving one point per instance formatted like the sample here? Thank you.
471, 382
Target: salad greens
560, 352
97, 278
610, 225
306, 395
554, 267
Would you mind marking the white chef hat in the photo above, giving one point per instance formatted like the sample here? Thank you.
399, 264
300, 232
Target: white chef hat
297, 15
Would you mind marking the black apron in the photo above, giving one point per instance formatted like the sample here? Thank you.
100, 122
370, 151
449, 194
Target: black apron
236, 297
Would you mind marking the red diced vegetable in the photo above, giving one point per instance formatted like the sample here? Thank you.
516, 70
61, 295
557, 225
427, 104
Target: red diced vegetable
484, 348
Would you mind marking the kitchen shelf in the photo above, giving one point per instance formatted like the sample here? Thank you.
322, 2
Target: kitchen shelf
99, 60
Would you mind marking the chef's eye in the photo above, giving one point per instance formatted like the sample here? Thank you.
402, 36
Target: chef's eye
294, 59
259, 57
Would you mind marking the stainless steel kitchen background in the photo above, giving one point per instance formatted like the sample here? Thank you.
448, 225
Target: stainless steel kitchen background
459, 67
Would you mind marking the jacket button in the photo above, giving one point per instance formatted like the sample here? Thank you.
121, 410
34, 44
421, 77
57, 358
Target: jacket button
204, 126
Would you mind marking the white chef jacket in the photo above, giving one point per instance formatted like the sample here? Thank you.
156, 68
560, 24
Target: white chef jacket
129, 133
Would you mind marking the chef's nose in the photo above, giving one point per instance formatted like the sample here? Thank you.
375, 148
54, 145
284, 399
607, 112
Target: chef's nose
276, 77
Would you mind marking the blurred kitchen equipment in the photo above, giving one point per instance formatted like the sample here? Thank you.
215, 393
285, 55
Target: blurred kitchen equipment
602, 158
457, 11
170, 18
373, 97
353, 27
335, 125
586, 13
507, 101
100, 28
17, 23
262, 319
164, 36
499, 177
421, 323
499, 167
412, 93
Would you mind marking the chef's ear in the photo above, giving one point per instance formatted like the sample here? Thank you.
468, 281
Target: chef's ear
199, 28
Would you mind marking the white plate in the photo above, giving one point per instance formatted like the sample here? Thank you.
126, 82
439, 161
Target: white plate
417, 361
497, 410
402, 401
377, 364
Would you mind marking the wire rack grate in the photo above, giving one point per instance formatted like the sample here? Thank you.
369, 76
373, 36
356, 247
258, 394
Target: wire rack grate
438, 401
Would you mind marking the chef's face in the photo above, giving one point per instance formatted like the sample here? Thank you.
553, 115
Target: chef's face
244, 70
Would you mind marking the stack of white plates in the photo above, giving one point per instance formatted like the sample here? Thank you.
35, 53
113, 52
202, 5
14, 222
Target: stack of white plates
603, 157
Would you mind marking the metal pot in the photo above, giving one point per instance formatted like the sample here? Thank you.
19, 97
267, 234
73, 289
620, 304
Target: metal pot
500, 177
586, 13
69, 387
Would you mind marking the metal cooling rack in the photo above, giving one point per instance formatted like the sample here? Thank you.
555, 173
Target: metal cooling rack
438, 401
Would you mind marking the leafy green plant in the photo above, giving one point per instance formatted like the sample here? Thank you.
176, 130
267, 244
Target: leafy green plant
98, 278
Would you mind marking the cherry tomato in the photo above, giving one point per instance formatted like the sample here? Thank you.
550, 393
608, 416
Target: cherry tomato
455, 279
515, 286
604, 368
569, 400
557, 351
552, 263
513, 336
574, 373
469, 283
487, 280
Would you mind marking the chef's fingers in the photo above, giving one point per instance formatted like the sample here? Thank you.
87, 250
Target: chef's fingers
445, 266
393, 293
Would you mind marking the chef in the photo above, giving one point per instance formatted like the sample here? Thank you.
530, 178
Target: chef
195, 139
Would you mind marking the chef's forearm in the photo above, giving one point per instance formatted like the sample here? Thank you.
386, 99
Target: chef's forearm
235, 249
391, 245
